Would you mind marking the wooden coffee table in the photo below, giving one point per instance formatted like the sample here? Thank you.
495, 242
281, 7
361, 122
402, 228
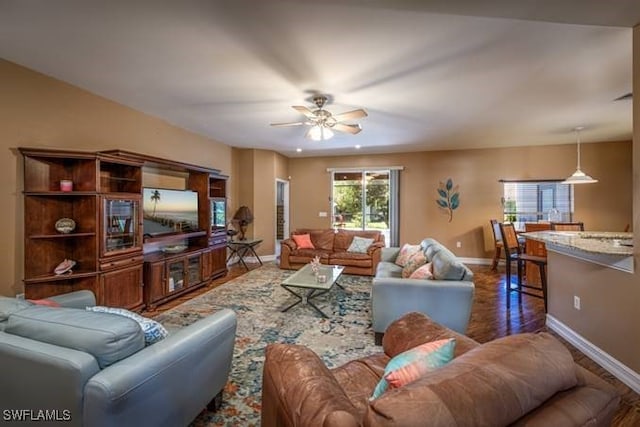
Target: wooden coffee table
309, 287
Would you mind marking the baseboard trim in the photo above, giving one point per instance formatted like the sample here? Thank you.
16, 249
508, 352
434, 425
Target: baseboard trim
252, 259
602, 358
478, 261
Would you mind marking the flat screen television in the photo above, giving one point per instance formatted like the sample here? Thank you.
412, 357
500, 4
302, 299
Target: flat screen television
169, 211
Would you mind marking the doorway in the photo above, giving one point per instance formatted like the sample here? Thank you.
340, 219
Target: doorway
282, 213
361, 200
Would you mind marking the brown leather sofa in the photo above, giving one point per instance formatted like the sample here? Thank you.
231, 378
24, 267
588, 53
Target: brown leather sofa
331, 246
524, 379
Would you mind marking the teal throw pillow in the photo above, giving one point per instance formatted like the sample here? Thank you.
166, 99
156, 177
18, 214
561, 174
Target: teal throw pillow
412, 364
360, 245
153, 331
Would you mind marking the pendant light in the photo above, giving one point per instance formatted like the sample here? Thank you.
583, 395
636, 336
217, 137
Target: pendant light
578, 176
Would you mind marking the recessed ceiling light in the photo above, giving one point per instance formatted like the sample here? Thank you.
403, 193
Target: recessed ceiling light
358, 147
298, 150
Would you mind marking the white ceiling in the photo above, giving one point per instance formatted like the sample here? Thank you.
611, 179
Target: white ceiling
433, 75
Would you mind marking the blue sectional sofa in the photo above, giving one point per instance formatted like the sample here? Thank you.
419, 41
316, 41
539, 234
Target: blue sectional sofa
93, 369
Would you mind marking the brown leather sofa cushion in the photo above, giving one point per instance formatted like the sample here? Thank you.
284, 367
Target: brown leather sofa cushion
414, 329
300, 374
494, 384
350, 258
343, 238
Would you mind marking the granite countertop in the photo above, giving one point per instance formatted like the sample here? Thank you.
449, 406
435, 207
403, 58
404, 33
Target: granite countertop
594, 242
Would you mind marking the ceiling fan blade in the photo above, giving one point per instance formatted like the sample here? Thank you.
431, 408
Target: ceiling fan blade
304, 110
288, 124
352, 129
350, 115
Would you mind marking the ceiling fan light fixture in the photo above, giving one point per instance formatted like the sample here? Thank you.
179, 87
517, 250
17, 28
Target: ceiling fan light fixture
578, 176
320, 133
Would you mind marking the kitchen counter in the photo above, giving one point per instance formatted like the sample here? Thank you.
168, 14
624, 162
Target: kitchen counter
611, 249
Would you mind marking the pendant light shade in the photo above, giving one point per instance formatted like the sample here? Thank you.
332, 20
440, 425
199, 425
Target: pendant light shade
578, 176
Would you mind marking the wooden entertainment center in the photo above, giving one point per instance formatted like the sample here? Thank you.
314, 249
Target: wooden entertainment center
88, 208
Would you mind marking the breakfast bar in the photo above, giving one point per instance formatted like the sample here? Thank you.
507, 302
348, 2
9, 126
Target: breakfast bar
609, 249
592, 297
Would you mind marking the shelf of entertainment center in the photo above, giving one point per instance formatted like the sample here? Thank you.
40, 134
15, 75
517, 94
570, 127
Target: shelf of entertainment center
60, 193
60, 236
59, 277
168, 238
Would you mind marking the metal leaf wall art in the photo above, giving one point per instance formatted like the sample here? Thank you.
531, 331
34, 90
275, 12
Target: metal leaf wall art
449, 199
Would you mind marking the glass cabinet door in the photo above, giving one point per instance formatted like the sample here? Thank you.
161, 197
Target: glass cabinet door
193, 265
175, 274
121, 225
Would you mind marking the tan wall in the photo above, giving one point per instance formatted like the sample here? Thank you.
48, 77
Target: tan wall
608, 315
264, 196
281, 166
477, 172
258, 171
38, 111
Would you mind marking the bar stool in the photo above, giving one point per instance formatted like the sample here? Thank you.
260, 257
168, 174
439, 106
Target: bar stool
513, 252
497, 240
567, 226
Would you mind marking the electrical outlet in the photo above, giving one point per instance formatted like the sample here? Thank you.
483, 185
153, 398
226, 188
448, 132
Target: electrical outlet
576, 302
458, 244
322, 214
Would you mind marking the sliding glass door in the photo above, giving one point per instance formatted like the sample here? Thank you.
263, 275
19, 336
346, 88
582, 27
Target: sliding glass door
361, 200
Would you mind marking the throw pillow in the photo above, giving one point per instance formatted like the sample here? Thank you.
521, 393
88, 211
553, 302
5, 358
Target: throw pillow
360, 245
303, 241
45, 302
417, 260
406, 252
153, 331
423, 272
412, 364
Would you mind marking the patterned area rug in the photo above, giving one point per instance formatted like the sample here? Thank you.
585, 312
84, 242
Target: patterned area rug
257, 299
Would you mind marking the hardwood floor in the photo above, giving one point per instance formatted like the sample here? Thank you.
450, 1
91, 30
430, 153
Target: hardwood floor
490, 320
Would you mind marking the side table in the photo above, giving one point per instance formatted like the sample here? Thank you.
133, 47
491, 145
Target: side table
242, 248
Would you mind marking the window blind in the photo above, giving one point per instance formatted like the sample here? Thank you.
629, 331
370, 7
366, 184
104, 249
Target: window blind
532, 201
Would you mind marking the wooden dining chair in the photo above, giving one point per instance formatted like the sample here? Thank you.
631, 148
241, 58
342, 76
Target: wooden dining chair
513, 252
567, 226
497, 239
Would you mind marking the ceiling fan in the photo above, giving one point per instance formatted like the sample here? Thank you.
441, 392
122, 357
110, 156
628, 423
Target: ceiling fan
323, 123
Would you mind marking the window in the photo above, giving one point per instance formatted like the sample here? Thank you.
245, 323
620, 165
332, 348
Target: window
533, 201
367, 199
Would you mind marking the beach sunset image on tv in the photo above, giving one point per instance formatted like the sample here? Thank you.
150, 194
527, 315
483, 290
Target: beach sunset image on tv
169, 211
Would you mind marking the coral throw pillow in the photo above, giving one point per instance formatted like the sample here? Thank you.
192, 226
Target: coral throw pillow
417, 260
406, 252
423, 272
45, 302
415, 363
303, 241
